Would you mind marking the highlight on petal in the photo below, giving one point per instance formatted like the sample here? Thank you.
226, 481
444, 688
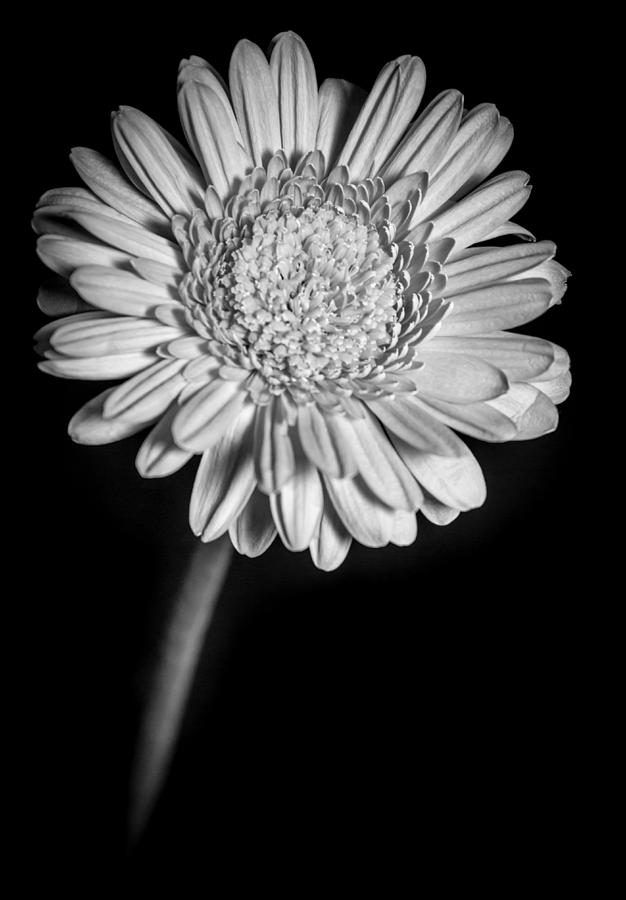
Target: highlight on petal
458, 378
159, 455
201, 420
339, 104
297, 507
120, 292
332, 542
253, 531
531, 411
255, 101
455, 481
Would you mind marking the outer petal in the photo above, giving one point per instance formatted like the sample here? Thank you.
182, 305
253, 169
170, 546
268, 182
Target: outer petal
88, 425
293, 73
339, 104
415, 423
203, 418
389, 108
120, 292
364, 516
330, 545
255, 101
159, 456
458, 377
485, 265
297, 508
274, 458
497, 307
519, 356
148, 394
254, 529
224, 481
456, 481
531, 411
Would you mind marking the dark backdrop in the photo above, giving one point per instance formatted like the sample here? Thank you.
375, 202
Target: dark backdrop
417, 693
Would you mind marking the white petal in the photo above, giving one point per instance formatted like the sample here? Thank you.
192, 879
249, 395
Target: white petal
109, 336
120, 292
519, 356
404, 528
463, 155
365, 517
497, 307
324, 445
98, 368
163, 169
475, 217
157, 272
389, 108
254, 529
339, 104
224, 481
456, 481
410, 420
500, 146
105, 180
479, 420
531, 411
557, 389
427, 139
130, 238
159, 456
457, 377
330, 545
214, 135
255, 101
380, 466
148, 394
297, 508
202, 419
63, 255
294, 78
274, 458
555, 274
438, 513
488, 264
88, 426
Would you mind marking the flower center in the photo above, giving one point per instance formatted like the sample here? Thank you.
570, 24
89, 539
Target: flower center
301, 294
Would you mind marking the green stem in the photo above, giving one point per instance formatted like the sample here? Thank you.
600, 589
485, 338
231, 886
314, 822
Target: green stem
176, 663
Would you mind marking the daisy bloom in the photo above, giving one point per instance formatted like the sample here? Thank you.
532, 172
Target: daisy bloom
311, 300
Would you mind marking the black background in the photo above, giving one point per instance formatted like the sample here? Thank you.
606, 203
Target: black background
423, 696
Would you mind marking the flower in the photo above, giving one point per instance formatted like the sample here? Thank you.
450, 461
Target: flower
301, 301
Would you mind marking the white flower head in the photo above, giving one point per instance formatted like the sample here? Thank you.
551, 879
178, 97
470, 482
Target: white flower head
301, 301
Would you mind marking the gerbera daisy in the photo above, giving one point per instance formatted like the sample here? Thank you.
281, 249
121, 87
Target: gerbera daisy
300, 300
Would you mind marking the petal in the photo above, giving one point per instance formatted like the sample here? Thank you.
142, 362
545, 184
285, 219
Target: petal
156, 272
254, 529
555, 274
63, 255
380, 467
389, 108
294, 78
364, 516
490, 264
456, 481
159, 164
339, 104
403, 528
88, 426
475, 217
148, 394
120, 292
131, 238
324, 444
159, 456
497, 307
479, 420
427, 139
298, 506
438, 513
109, 336
557, 389
214, 135
255, 101
500, 146
203, 418
463, 155
410, 420
330, 545
224, 481
519, 356
531, 411
98, 368
105, 180
274, 458
457, 377
57, 297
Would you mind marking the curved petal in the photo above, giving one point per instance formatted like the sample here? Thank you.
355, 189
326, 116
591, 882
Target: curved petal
531, 411
109, 336
479, 420
159, 456
323, 444
148, 394
274, 458
255, 101
298, 506
339, 104
98, 368
519, 356
253, 531
224, 481
390, 106
202, 419
63, 255
497, 307
120, 292
488, 264
330, 545
365, 517
456, 481
410, 420
293, 73
88, 425
458, 377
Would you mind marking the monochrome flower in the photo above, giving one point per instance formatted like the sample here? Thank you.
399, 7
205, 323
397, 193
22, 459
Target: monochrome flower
301, 301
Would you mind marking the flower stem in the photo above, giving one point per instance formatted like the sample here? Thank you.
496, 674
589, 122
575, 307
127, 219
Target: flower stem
176, 662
